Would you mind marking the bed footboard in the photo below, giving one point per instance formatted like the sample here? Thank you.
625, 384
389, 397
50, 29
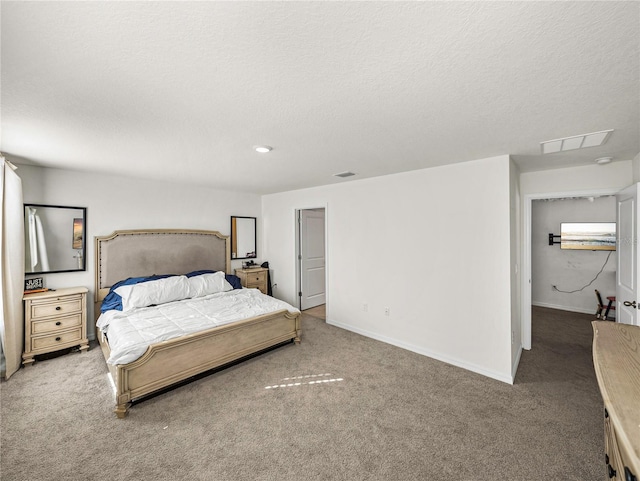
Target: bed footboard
167, 363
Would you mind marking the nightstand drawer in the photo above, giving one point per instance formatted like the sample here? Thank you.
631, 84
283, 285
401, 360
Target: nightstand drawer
48, 308
59, 339
256, 279
53, 325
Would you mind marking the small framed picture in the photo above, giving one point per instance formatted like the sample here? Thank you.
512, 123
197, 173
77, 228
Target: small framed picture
34, 284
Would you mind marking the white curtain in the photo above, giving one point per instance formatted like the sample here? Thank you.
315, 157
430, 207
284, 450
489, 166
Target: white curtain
11, 269
36, 247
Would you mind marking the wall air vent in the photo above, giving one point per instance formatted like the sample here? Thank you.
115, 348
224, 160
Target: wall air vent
344, 174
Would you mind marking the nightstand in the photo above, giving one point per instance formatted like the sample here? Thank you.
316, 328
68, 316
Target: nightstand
54, 320
253, 278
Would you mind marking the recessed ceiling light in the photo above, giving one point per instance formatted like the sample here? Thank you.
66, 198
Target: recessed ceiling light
575, 142
603, 160
263, 149
344, 174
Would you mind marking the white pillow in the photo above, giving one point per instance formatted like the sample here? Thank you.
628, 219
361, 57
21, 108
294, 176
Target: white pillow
149, 293
206, 284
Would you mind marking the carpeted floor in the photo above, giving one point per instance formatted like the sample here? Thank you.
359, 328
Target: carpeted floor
380, 413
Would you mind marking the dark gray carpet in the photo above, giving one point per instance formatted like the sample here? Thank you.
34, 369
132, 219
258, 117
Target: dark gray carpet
382, 414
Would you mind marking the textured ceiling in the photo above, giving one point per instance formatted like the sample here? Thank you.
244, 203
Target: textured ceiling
182, 91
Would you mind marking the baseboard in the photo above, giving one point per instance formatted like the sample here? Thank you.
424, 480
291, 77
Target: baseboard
427, 352
564, 308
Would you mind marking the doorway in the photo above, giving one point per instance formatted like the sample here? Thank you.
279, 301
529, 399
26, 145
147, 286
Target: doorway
527, 252
311, 257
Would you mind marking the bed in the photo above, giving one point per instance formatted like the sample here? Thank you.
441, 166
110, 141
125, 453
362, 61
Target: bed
139, 253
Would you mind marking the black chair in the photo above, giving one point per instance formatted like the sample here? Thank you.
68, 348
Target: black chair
611, 306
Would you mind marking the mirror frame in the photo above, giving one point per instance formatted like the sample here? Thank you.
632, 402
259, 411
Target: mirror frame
84, 238
234, 236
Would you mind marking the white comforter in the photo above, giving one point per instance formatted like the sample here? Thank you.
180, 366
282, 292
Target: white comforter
131, 333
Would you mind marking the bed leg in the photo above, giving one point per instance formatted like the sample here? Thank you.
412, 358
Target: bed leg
297, 339
121, 410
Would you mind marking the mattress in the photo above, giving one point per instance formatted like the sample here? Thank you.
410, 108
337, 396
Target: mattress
131, 333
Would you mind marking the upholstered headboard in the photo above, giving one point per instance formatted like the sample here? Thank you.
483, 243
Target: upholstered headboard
137, 253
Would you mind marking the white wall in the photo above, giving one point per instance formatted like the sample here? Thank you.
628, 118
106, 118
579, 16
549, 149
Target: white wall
569, 270
590, 178
515, 240
636, 169
432, 245
117, 203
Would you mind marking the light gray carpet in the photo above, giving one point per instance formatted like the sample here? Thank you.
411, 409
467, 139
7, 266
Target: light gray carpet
389, 414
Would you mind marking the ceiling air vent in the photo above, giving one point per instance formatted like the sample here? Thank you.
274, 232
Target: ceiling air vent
344, 174
575, 142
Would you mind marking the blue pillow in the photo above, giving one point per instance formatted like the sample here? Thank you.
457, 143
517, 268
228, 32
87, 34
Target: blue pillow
234, 281
113, 301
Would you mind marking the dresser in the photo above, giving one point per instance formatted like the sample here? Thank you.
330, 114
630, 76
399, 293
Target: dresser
616, 359
54, 320
255, 277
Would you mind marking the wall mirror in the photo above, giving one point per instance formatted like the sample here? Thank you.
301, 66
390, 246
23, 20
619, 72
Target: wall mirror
55, 238
243, 237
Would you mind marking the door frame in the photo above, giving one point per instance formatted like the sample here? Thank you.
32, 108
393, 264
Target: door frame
297, 254
525, 314
630, 192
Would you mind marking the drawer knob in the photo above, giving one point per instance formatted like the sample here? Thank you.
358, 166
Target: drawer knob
58, 308
58, 323
58, 338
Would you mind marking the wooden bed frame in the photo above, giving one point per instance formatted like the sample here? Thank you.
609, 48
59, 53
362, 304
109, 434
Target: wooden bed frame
135, 253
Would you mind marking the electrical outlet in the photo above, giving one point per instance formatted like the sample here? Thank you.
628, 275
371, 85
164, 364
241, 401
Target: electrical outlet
387, 311
365, 307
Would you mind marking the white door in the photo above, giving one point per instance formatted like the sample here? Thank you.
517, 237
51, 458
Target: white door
628, 225
312, 261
